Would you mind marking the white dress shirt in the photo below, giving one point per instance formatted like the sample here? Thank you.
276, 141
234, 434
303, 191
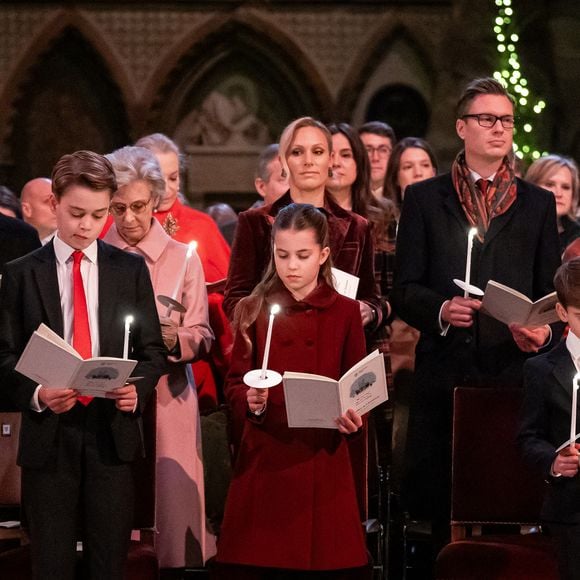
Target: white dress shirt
90, 275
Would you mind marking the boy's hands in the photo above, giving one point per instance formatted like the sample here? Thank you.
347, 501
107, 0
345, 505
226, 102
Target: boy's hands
125, 398
58, 400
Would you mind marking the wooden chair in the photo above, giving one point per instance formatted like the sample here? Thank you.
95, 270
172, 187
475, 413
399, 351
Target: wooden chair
496, 498
10, 481
142, 562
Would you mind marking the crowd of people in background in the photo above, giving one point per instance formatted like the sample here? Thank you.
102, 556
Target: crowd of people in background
354, 198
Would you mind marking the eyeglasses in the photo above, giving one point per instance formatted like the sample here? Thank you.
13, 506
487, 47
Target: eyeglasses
381, 150
136, 207
488, 121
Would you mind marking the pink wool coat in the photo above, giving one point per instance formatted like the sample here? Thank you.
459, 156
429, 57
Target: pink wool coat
180, 495
292, 501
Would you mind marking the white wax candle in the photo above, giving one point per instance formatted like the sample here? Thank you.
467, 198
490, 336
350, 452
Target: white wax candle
574, 407
472, 233
190, 248
128, 321
273, 311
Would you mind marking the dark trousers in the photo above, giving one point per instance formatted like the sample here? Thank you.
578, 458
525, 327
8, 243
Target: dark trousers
82, 493
566, 539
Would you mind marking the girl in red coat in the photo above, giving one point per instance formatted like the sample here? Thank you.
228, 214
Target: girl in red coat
292, 510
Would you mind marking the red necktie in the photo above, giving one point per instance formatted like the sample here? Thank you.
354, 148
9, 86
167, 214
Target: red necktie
483, 186
81, 328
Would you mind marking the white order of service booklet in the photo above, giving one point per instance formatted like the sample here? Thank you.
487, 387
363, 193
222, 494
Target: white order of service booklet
508, 305
52, 362
316, 401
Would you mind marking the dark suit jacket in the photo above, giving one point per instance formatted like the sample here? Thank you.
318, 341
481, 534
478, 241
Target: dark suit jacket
30, 295
16, 239
545, 425
520, 250
351, 249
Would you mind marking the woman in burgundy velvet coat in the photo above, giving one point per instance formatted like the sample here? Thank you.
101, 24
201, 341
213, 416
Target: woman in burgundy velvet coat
351, 246
292, 509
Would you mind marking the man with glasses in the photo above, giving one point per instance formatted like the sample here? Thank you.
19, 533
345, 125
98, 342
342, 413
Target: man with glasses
379, 140
516, 245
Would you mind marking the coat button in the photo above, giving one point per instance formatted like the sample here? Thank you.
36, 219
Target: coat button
468, 339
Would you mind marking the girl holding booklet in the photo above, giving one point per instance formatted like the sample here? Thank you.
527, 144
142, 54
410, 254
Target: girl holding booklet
292, 510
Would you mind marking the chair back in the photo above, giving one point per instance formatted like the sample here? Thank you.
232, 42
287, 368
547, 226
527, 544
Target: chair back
491, 483
9, 470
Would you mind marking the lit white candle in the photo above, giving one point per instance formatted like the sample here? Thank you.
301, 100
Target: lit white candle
574, 408
190, 249
128, 321
472, 233
273, 311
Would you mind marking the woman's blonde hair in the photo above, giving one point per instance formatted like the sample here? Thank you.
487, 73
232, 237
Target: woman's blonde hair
542, 168
297, 217
290, 131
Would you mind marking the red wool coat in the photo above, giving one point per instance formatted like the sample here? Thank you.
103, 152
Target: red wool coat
292, 501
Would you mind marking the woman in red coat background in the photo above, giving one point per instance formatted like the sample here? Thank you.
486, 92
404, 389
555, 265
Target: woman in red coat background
292, 509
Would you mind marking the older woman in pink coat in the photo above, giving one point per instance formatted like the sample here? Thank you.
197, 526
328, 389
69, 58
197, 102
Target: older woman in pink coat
183, 538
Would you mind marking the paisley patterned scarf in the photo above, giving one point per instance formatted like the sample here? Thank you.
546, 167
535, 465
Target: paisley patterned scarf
481, 207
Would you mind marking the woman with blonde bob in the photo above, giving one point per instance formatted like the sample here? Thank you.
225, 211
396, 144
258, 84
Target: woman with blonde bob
559, 175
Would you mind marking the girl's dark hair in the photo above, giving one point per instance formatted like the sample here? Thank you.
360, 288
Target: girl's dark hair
391, 188
297, 217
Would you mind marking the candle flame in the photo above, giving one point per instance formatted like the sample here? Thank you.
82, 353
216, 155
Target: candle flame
129, 319
275, 309
576, 380
190, 248
472, 232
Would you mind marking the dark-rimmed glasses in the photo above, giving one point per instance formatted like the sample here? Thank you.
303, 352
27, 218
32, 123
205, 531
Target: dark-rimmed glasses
488, 121
381, 150
136, 207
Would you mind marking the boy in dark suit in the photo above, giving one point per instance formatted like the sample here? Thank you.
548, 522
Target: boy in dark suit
75, 452
545, 425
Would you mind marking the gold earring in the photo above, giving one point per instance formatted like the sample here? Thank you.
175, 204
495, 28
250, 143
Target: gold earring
330, 172
283, 174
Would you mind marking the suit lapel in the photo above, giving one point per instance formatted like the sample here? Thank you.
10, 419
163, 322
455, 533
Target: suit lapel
499, 223
453, 206
109, 277
46, 281
338, 224
564, 369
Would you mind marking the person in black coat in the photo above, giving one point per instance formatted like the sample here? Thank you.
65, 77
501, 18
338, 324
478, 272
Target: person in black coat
16, 239
516, 245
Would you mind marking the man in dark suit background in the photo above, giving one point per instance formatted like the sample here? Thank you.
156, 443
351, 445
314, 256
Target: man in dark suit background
76, 453
545, 425
516, 245
16, 239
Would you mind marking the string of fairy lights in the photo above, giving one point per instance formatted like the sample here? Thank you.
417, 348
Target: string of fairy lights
529, 108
